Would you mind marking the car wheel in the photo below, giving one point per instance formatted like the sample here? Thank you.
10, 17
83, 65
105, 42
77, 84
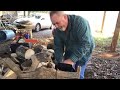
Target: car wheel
37, 27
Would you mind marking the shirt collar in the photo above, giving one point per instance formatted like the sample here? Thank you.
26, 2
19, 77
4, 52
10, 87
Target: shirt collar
69, 24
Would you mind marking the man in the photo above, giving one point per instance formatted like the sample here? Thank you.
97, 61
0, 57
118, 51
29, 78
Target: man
73, 42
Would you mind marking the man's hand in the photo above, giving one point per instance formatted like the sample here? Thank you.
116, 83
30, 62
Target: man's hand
68, 61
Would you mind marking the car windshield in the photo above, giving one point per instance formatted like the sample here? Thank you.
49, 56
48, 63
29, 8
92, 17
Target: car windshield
37, 17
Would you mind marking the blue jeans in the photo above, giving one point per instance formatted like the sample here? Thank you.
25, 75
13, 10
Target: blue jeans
82, 69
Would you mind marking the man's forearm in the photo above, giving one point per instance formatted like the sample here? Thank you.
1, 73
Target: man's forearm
79, 53
58, 55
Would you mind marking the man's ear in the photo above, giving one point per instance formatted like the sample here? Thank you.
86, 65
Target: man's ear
65, 16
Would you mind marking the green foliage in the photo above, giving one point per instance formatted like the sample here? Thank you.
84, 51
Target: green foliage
103, 43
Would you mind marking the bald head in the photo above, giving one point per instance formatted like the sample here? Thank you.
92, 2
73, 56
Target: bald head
59, 19
56, 12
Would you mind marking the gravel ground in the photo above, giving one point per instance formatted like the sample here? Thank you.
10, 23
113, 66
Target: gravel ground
42, 34
100, 68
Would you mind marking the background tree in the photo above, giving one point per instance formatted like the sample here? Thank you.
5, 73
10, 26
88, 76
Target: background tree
116, 35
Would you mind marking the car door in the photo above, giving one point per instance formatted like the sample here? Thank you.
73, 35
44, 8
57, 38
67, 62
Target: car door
45, 22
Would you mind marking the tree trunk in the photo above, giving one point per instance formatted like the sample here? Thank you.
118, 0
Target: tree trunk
103, 21
116, 35
24, 13
15, 13
29, 13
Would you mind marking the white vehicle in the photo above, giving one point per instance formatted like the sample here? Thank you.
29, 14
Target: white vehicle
40, 21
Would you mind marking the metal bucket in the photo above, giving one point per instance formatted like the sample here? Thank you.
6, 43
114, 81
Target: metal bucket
6, 35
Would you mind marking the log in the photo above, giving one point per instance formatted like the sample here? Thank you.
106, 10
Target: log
67, 75
14, 67
1, 76
35, 63
38, 48
40, 73
44, 56
4, 47
24, 52
9, 75
49, 73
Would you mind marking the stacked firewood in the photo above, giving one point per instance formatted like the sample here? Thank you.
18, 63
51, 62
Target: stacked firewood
4, 47
38, 65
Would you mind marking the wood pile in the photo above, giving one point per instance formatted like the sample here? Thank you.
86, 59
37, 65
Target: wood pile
4, 47
40, 66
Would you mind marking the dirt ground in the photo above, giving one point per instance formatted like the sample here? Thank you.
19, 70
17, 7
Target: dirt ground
103, 65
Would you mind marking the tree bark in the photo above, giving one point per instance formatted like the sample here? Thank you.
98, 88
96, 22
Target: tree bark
116, 35
103, 21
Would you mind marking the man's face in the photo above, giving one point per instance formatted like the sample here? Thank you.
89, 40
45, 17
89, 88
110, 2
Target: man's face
58, 21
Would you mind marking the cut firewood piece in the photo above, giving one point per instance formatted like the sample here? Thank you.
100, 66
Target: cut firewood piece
9, 75
40, 73
24, 52
29, 53
13, 57
67, 75
14, 67
1, 76
35, 63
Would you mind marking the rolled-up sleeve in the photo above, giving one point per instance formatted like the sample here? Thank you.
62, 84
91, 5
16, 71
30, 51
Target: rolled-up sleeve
58, 47
83, 36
